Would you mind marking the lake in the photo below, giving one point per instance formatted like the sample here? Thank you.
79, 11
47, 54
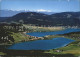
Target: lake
41, 34
44, 44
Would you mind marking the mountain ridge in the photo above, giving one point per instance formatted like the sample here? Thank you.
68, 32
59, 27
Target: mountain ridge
10, 13
57, 19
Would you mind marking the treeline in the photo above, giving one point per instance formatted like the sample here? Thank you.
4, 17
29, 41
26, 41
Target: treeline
7, 29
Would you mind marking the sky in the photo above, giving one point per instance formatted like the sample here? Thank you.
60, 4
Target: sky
41, 5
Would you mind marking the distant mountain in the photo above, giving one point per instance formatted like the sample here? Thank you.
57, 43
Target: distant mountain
58, 19
9, 13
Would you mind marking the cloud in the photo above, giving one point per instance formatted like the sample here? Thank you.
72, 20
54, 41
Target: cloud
43, 10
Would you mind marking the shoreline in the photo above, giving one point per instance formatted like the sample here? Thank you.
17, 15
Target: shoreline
53, 36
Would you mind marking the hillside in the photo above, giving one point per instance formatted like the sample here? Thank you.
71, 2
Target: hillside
58, 19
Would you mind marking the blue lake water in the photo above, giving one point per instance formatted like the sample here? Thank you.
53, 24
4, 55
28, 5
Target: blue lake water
42, 44
41, 34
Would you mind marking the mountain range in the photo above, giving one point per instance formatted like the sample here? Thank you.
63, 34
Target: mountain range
10, 13
57, 19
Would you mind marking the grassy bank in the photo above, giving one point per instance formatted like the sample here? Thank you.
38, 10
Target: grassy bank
19, 37
69, 49
72, 48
